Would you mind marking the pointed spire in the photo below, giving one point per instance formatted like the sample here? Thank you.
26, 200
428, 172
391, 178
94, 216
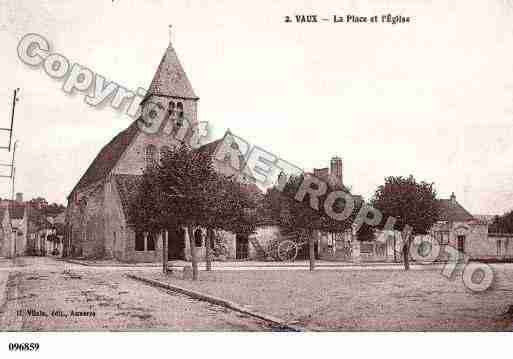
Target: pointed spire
170, 78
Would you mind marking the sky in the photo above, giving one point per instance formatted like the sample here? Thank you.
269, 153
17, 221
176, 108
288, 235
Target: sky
432, 97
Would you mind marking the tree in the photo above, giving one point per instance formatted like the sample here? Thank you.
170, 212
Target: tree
147, 212
413, 205
185, 188
284, 206
502, 224
185, 178
230, 207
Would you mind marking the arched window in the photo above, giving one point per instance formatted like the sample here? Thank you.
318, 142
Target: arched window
198, 238
149, 154
163, 151
179, 109
171, 109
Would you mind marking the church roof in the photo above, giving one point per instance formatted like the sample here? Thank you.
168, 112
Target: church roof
170, 78
451, 210
108, 157
127, 185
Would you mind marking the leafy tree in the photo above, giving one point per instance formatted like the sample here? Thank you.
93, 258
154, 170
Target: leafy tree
146, 209
413, 204
299, 214
185, 179
185, 189
230, 206
502, 224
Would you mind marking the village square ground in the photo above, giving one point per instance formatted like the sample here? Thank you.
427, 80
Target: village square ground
336, 298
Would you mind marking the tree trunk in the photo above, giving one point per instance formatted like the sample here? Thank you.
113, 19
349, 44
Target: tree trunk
165, 257
406, 253
208, 254
311, 244
194, 260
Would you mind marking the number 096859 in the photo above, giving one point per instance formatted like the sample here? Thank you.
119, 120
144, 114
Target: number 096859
24, 347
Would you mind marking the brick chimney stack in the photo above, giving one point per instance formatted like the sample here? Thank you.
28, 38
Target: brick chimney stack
453, 198
337, 169
19, 197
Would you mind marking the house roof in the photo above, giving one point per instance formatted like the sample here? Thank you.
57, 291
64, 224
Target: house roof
324, 175
451, 210
17, 210
170, 78
108, 157
484, 218
210, 148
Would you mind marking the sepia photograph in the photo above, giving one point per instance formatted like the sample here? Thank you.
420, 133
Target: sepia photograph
224, 169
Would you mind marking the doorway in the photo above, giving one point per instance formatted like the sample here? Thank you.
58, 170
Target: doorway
241, 246
461, 244
176, 243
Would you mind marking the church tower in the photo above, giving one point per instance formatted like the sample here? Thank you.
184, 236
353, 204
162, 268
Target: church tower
171, 89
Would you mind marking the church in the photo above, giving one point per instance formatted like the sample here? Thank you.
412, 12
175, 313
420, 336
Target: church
98, 218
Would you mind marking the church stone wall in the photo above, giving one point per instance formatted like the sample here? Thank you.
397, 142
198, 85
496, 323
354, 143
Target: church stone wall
133, 161
87, 222
115, 231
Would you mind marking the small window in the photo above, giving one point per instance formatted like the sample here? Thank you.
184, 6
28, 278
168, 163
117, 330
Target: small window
150, 154
150, 242
139, 241
198, 238
179, 109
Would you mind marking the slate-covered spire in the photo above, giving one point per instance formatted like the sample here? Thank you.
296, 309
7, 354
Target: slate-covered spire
170, 78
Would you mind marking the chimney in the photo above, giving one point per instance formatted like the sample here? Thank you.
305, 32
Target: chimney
322, 173
19, 197
337, 169
453, 198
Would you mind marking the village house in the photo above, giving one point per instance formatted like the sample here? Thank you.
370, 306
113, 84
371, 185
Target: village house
6, 234
98, 223
455, 228
55, 238
269, 231
18, 215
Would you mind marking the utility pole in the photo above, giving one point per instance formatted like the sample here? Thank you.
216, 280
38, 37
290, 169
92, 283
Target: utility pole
9, 129
13, 176
12, 166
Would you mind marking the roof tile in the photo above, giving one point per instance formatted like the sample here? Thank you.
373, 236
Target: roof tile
453, 211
